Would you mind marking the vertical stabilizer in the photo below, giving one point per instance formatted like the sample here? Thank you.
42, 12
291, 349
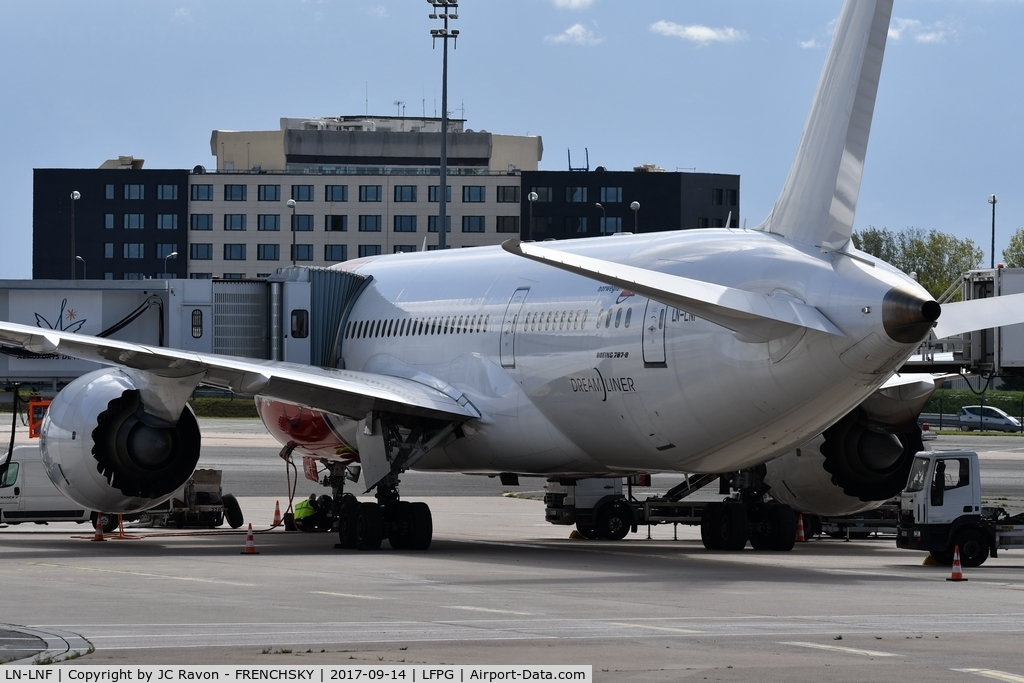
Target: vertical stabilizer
819, 200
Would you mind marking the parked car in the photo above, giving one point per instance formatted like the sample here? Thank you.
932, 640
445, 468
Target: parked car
987, 418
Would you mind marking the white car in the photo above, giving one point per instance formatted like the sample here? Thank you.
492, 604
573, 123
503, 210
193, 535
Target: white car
987, 418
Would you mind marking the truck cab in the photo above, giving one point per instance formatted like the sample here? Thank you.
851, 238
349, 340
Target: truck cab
28, 495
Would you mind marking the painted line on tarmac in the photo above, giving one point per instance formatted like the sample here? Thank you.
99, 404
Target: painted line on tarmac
146, 575
487, 609
992, 673
655, 628
350, 595
840, 648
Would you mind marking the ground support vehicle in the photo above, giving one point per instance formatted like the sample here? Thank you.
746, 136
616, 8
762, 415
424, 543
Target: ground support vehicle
881, 521
28, 495
941, 510
199, 502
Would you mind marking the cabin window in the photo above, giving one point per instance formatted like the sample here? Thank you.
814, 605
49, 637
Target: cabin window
661, 319
618, 317
487, 323
629, 314
561, 321
433, 325
584, 321
600, 315
608, 320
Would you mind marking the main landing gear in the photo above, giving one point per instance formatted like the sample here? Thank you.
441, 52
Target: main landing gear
364, 525
747, 517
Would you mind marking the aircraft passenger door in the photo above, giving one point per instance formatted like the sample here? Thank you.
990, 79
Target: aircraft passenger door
508, 327
654, 334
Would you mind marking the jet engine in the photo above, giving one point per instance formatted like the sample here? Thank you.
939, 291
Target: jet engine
104, 451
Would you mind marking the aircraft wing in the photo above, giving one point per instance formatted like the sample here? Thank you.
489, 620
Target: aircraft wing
751, 313
342, 392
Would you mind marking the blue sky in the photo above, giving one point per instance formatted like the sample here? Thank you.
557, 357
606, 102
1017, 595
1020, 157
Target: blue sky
715, 85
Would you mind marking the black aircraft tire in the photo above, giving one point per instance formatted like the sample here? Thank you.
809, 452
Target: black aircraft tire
232, 511
369, 526
347, 522
710, 524
734, 526
783, 527
421, 526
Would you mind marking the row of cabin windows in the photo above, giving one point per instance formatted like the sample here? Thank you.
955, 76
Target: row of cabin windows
416, 327
574, 320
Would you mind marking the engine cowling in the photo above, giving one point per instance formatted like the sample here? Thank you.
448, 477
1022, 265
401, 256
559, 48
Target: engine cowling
105, 452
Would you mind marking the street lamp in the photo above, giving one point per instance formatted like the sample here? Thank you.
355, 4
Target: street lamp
85, 271
604, 216
449, 9
532, 197
992, 199
173, 254
636, 209
291, 205
75, 196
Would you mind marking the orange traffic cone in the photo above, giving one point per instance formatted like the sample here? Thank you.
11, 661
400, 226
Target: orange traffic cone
958, 573
800, 537
98, 536
250, 544
277, 513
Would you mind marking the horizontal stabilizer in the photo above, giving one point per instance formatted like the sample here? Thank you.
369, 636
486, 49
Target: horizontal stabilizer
755, 315
979, 314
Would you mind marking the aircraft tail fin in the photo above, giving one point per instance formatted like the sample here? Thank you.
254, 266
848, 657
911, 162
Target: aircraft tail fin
819, 200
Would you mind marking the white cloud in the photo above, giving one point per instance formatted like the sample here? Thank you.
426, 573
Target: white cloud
808, 44
573, 4
577, 34
913, 29
702, 35
378, 11
183, 14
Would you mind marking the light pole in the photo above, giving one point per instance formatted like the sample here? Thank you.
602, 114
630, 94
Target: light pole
291, 205
604, 216
449, 9
85, 270
532, 197
636, 210
75, 196
173, 254
992, 199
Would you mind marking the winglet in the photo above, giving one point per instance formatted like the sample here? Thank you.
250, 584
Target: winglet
819, 200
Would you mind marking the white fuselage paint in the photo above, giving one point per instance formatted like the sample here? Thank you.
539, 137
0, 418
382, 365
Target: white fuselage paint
563, 391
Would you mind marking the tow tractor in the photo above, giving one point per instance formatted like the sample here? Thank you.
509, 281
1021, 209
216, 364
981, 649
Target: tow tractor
941, 510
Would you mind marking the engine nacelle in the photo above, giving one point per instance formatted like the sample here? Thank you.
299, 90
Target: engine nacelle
105, 452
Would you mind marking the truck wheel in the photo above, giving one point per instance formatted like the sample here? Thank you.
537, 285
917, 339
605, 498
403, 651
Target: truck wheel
973, 547
232, 511
943, 557
369, 526
587, 531
613, 522
347, 521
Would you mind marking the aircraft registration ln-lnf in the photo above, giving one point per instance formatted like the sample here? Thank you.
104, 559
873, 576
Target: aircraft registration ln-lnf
770, 351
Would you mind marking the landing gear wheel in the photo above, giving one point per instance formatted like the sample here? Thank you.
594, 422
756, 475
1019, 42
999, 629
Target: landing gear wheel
783, 521
399, 525
347, 522
724, 526
421, 526
587, 531
232, 511
613, 523
710, 520
973, 547
369, 526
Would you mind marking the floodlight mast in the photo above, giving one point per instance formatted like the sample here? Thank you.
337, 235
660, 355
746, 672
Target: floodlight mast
449, 9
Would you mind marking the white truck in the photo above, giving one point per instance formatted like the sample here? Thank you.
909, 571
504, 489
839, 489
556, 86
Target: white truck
941, 510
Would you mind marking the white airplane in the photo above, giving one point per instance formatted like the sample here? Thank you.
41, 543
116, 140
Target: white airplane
769, 350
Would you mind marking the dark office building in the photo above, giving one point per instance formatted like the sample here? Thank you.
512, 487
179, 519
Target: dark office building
589, 203
126, 222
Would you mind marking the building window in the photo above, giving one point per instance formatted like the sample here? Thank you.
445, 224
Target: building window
134, 276
472, 224
233, 276
197, 323
370, 193
544, 194
200, 276
434, 193
134, 191
269, 193
575, 224
335, 253
576, 194
369, 250
508, 224
268, 252
405, 248
405, 223
268, 222
302, 252
166, 191
108, 192
201, 252
508, 194
167, 221
474, 193
717, 222
234, 252
302, 193
369, 224
134, 221
336, 193
611, 224
303, 222
611, 195
405, 193
108, 276
432, 223
163, 250
201, 221
108, 250
732, 197
717, 197
108, 221
336, 223
134, 250
202, 193
702, 222
234, 221
235, 193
